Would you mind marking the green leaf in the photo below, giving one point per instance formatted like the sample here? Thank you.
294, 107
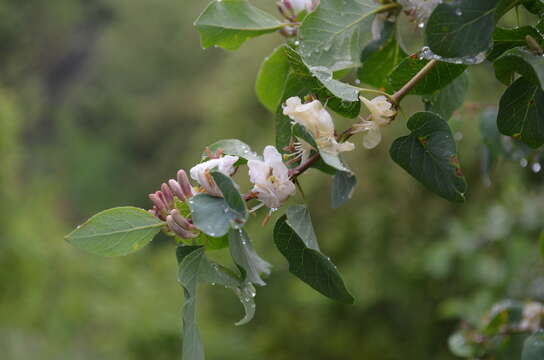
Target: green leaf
377, 66
336, 33
232, 197
343, 186
232, 147
272, 78
449, 99
212, 215
251, 264
438, 78
523, 62
188, 278
326, 84
229, 23
194, 268
461, 28
309, 265
298, 217
534, 6
116, 232
506, 39
429, 154
521, 112
533, 349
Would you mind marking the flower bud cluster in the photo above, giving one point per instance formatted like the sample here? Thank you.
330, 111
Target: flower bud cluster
164, 205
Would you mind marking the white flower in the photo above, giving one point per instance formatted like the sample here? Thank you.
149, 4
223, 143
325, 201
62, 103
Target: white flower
318, 122
297, 6
381, 113
271, 178
201, 172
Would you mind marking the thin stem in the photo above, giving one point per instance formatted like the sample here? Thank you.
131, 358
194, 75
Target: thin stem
399, 95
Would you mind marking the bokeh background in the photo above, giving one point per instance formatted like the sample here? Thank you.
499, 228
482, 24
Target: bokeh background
101, 101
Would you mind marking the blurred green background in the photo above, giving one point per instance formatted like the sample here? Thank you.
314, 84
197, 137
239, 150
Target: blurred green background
101, 101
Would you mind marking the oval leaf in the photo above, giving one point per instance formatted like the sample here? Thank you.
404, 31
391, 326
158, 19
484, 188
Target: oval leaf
461, 28
309, 265
116, 232
429, 154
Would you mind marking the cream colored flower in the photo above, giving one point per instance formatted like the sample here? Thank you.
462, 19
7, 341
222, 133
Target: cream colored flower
201, 172
318, 122
271, 178
381, 113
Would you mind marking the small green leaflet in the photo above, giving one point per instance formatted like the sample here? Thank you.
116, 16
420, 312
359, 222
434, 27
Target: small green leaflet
116, 232
429, 154
310, 265
232, 197
521, 112
229, 23
334, 35
461, 28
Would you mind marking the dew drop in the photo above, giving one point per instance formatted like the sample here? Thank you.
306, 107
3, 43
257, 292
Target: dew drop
523, 162
536, 167
459, 12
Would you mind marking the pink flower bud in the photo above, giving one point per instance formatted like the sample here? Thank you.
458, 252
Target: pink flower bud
157, 201
183, 181
167, 193
180, 220
176, 189
161, 196
178, 230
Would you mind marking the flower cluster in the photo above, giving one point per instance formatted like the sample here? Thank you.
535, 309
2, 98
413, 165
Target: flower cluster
271, 179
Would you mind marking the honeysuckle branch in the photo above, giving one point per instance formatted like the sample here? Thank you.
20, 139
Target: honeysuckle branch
399, 95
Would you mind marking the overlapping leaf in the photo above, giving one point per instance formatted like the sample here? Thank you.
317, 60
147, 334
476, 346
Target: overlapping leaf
335, 34
521, 112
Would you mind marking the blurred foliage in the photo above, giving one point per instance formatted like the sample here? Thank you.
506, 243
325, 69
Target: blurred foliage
100, 101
